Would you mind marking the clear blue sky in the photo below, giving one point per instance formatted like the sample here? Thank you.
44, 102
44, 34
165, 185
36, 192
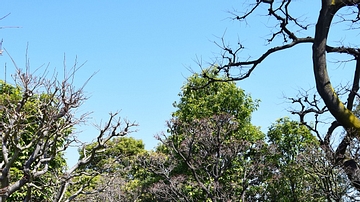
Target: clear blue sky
142, 51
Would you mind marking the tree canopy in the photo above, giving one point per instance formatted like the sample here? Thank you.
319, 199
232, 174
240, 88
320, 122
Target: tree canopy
211, 151
210, 146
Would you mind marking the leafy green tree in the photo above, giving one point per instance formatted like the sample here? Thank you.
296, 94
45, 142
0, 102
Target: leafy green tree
289, 179
113, 173
212, 150
118, 154
199, 100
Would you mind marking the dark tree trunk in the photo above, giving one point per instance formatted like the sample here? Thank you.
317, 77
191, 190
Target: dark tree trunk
341, 113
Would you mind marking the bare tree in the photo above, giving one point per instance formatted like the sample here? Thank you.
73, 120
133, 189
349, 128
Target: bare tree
219, 166
331, 181
287, 29
38, 116
115, 127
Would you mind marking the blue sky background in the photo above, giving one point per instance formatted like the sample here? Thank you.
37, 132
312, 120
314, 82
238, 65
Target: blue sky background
142, 51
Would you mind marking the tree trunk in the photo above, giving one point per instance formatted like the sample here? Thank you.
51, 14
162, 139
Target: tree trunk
341, 113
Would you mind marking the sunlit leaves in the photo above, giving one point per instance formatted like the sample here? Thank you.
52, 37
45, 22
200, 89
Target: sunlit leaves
289, 179
290, 138
199, 99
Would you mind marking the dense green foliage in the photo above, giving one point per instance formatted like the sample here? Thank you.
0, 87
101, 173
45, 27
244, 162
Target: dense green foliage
289, 179
210, 130
118, 153
115, 170
212, 152
199, 100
